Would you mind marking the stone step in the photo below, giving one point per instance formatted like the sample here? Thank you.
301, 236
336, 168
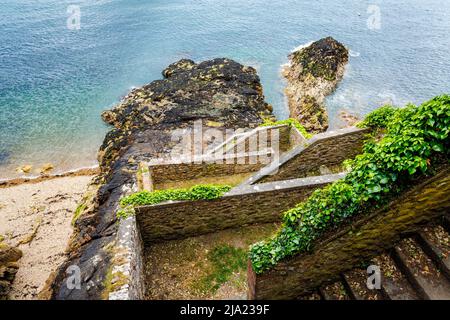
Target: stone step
435, 242
446, 223
311, 296
419, 269
355, 282
334, 291
395, 286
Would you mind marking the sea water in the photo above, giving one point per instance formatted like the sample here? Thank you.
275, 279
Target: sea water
57, 75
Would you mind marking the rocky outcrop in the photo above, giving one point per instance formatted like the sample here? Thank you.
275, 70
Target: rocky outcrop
220, 90
8, 267
313, 73
221, 93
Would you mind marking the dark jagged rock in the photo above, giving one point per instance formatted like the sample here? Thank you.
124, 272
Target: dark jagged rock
221, 93
8, 267
219, 89
314, 73
180, 66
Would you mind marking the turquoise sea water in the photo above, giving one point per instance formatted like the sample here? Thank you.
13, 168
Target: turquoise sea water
54, 82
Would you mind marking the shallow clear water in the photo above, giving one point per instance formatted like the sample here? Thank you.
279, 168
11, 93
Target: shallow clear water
54, 82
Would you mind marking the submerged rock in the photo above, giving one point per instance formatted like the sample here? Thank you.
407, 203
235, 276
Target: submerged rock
220, 93
314, 73
46, 168
25, 169
347, 119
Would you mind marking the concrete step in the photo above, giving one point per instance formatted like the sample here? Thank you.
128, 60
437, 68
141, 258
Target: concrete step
419, 269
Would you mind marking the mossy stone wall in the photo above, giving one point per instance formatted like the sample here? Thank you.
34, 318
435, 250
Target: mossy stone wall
328, 149
234, 162
251, 205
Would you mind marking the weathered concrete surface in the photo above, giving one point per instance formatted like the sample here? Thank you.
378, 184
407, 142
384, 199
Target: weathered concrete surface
313, 73
220, 93
262, 203
361, 240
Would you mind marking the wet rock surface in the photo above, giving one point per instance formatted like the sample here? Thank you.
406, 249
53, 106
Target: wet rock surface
314, 73
221, 93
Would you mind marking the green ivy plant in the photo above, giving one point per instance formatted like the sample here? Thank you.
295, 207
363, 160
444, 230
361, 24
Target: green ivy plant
415, 139
290, 122
142, 198
378, 119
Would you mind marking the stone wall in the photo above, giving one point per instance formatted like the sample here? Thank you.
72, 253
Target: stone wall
187, 171
127, 263
325, 149
246, 155
125, 279
243, 206
278, 136
350, 245
296, 138
126, 273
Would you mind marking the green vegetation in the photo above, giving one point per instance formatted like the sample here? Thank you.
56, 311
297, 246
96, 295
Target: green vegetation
415, 141
85, 204
125, 212
290, 122
113, 282
78, 211
198, 192
142, 198
380, 118
225, 261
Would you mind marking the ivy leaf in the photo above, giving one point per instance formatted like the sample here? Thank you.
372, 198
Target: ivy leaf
438, 147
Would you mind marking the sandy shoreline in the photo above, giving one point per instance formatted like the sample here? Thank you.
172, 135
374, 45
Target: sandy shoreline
36, 216
90, 171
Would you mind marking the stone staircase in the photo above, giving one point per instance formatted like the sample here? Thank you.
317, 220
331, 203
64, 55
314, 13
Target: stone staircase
417, 267
258, 139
